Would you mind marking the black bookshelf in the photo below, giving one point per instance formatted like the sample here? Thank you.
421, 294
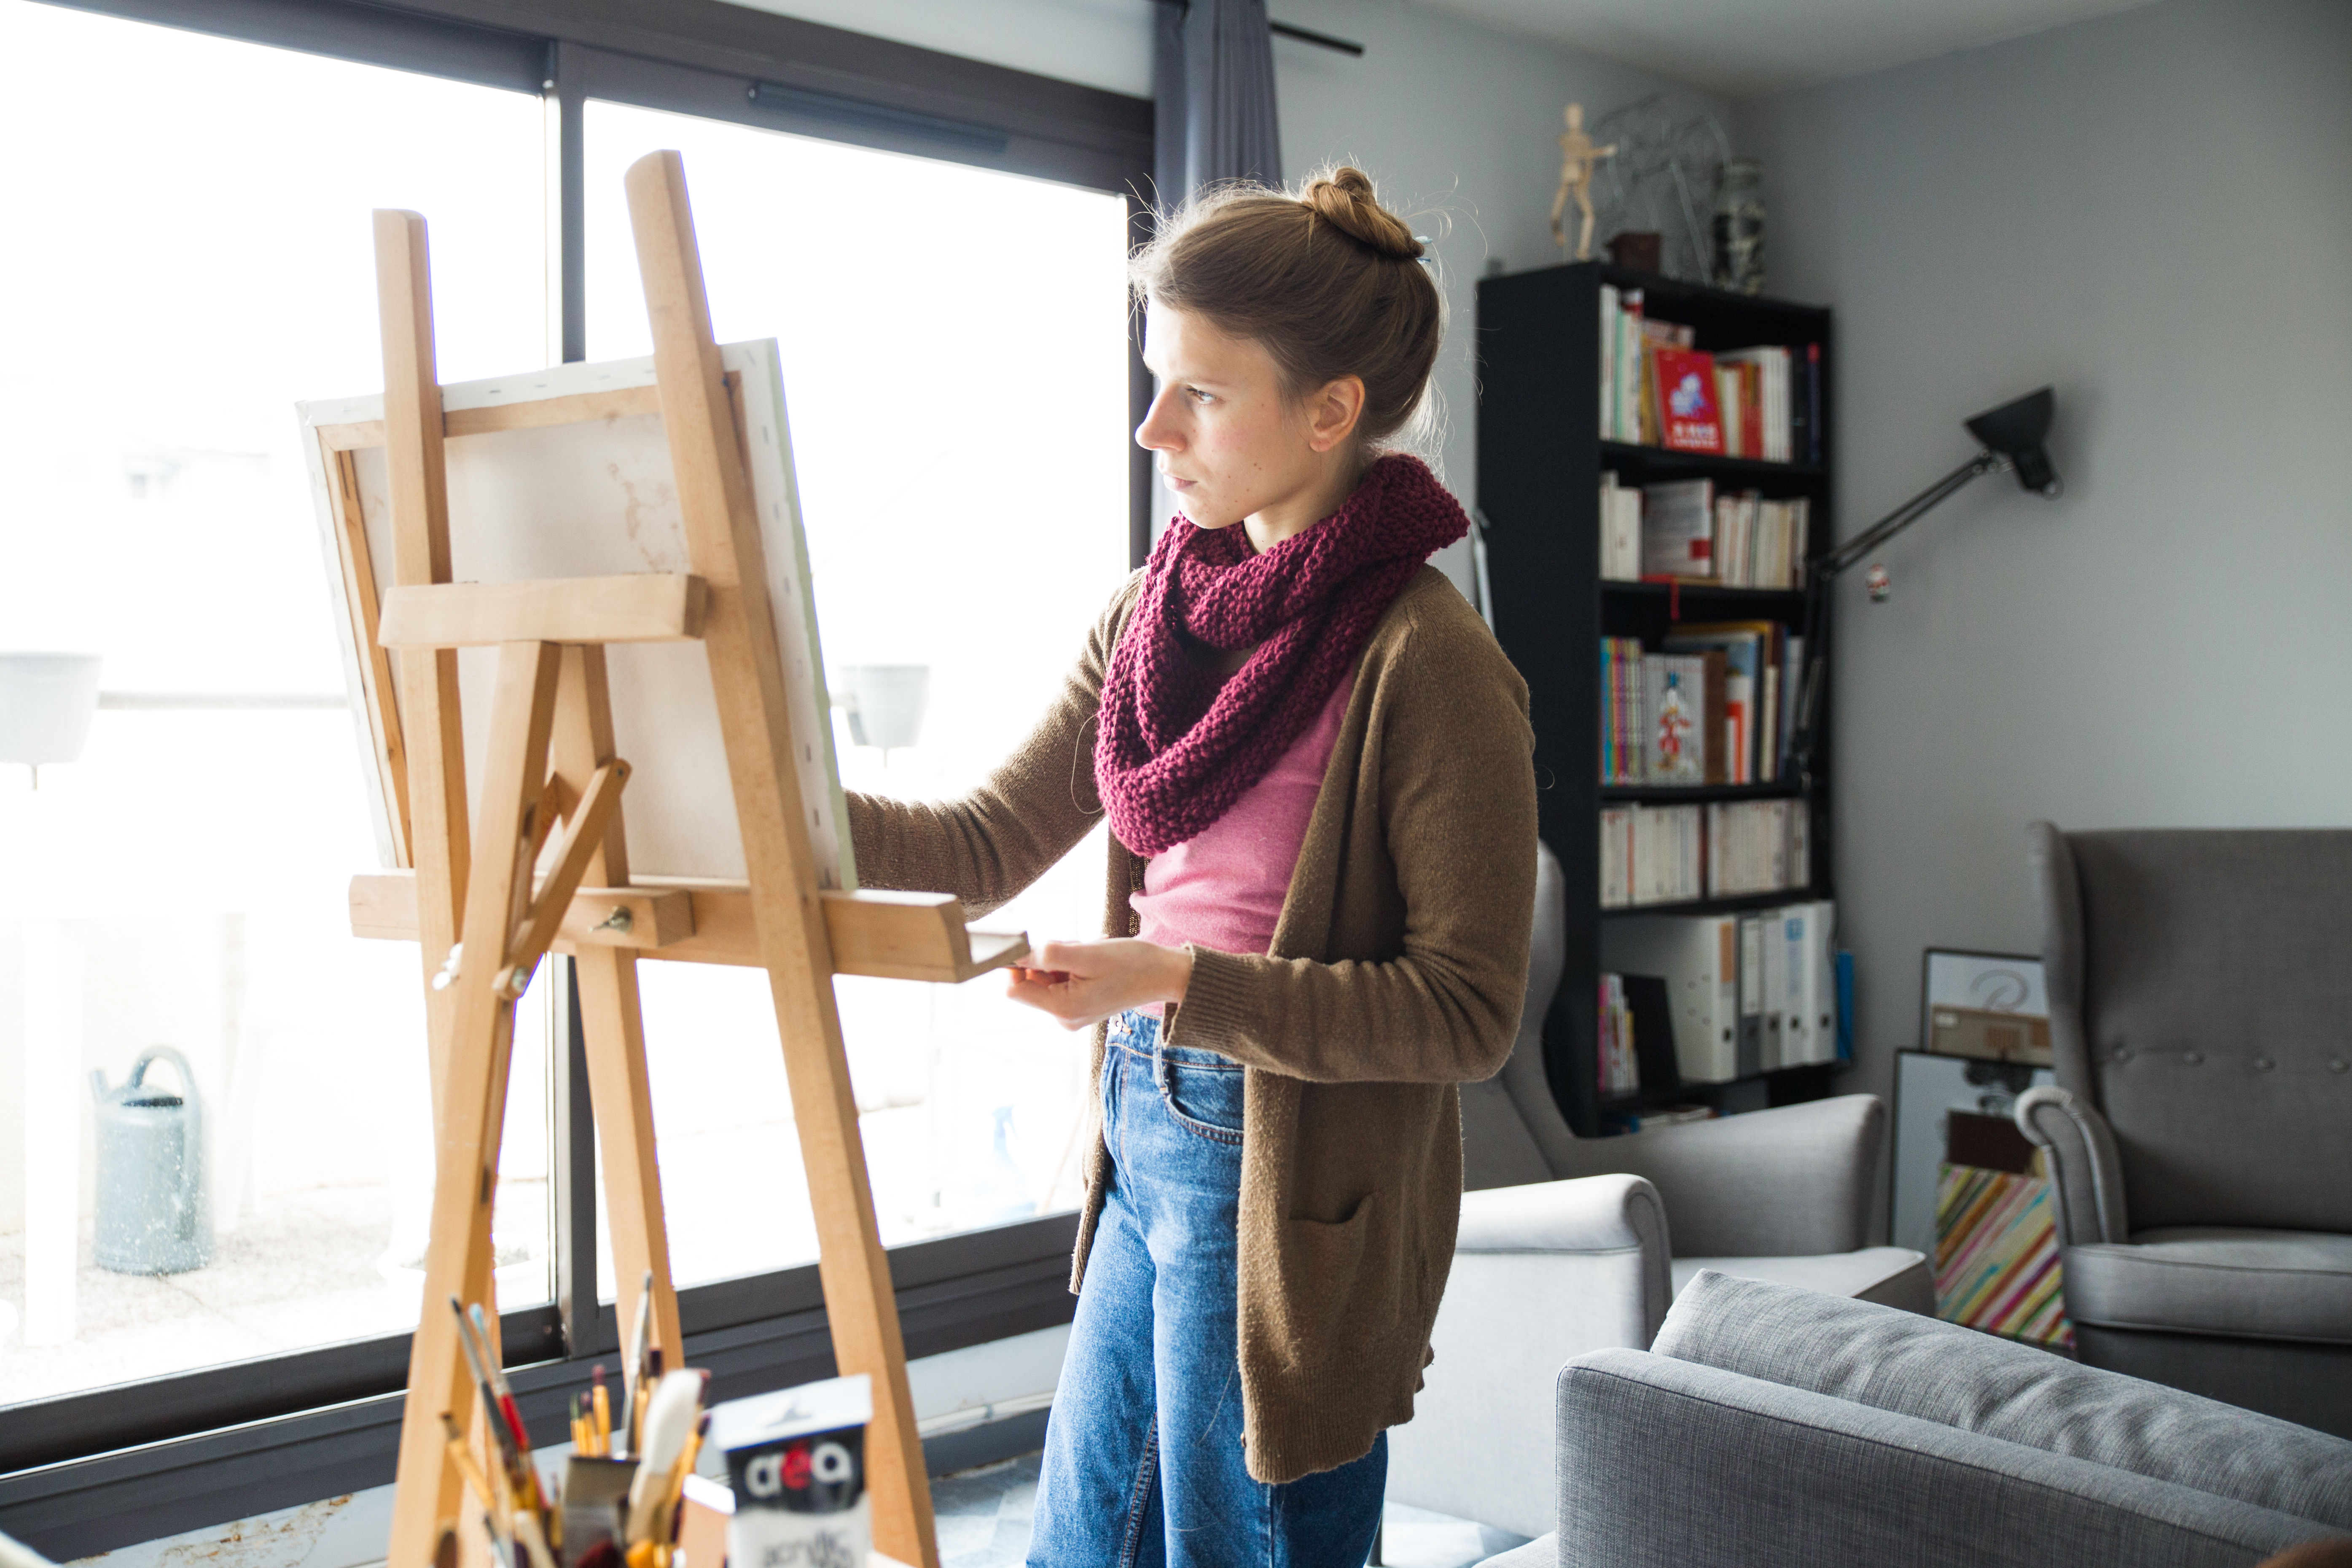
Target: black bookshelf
1539, 465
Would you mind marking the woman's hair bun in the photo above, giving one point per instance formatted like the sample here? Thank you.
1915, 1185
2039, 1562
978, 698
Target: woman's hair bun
1343, 198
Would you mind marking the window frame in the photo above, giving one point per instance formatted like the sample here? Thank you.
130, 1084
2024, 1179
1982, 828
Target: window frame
89, 1472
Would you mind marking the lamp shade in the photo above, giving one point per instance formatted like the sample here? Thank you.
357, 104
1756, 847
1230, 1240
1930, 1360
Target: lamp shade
2017, 431
46, 703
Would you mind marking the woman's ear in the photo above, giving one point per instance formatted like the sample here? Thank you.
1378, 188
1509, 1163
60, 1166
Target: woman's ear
1333, 411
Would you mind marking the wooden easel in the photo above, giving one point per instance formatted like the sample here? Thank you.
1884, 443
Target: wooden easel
551, 769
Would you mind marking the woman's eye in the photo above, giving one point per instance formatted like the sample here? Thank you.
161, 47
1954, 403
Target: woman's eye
1196, 395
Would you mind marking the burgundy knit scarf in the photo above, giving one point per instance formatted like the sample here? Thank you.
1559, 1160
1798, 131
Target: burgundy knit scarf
1179, 744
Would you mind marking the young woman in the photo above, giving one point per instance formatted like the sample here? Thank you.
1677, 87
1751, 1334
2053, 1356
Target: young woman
1316, 766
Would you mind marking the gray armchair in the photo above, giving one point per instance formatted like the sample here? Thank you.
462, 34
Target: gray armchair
1774, 1425
1569, 1246
2200, 1131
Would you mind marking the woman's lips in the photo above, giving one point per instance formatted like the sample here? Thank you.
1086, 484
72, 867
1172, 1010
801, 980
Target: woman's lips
1178, 486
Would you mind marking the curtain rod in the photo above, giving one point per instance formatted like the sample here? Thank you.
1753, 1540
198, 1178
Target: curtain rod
1309, 36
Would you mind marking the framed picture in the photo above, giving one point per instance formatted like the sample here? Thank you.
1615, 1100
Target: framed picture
1991, 1006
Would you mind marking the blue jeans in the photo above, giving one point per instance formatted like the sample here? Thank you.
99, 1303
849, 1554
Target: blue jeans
1143, 1452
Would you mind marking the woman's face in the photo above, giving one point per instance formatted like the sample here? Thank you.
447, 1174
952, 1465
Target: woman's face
1230, 441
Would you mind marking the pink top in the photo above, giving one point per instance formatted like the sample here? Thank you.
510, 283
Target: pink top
1224, 888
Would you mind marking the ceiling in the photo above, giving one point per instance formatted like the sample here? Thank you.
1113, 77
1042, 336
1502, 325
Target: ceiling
1745, 48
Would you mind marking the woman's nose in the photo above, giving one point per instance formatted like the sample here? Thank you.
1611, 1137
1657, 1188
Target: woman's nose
1158, 432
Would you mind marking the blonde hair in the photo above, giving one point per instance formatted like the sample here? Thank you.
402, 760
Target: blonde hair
1330, 282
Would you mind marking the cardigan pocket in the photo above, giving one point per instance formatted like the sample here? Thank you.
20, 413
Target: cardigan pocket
1343, 1279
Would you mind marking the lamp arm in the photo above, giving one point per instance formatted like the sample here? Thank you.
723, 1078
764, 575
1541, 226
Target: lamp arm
1831, 562
1822, 571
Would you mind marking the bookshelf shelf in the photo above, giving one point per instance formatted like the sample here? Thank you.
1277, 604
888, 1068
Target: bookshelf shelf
1736, 904
1623, 455
1538, 487
1781, 1086
1686, 795
1695, 588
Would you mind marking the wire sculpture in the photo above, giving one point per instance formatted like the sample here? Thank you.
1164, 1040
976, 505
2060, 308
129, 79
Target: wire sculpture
1664, 180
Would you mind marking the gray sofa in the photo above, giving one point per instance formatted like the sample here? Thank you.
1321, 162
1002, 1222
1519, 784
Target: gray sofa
1567, 1245
1771, 1425
2200, 1131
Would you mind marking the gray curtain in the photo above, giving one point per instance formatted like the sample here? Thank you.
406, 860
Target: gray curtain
1213, 94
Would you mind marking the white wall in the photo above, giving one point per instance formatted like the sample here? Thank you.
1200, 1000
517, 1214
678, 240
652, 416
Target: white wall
1454, 121
2153, 212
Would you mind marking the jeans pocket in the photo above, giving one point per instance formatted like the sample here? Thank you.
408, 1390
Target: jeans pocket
1204, 1100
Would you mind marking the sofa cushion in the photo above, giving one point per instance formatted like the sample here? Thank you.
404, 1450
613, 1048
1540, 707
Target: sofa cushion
1890, 1276
1940, 1372
2204, 1280
1543, 1551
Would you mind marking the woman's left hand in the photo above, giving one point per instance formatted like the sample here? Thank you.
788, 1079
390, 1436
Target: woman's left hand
1083, 982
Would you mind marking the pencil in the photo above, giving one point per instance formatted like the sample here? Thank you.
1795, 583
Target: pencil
600, 1405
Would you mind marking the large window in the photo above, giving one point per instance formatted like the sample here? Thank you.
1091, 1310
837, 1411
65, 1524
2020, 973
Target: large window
192, 255
194, 231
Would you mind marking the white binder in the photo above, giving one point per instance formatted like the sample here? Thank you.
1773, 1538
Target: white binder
1698, 958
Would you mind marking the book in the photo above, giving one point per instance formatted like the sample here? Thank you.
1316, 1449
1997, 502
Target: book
1653, 855
1792, 669
1682, 386
1623, 757
1748, 648
1682, 718
1678, 529
1628, 402
1744, 994
1812, 448
1749, 1057
1613, 310
1770, 363
1757, 846
1808, 982
1697, 956
1726, 728
1621, 529
1762, 401
1619, 1072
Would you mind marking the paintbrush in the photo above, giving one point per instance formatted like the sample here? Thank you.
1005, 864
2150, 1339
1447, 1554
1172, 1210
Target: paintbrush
670, 1417
633, 1366
528, 1488
477, 1360
498, 1409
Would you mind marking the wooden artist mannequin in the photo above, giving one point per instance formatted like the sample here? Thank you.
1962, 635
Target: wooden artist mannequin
1579, 158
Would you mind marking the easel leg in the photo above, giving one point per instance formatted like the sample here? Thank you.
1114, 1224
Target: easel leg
613, 1022
437, 830
472, 1112
740, 635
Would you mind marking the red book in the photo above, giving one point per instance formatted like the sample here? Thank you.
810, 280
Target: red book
1688, 420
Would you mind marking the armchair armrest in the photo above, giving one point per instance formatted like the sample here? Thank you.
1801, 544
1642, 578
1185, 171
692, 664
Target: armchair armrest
1542, 1274
1787, 1182
2086, 1169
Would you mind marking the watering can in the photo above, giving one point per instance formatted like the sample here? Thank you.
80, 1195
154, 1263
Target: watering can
153, 1215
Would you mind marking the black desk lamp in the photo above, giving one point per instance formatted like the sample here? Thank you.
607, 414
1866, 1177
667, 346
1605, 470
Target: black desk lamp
2009, 437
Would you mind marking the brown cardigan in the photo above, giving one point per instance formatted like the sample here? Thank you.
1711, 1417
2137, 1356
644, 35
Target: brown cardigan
1398, 968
